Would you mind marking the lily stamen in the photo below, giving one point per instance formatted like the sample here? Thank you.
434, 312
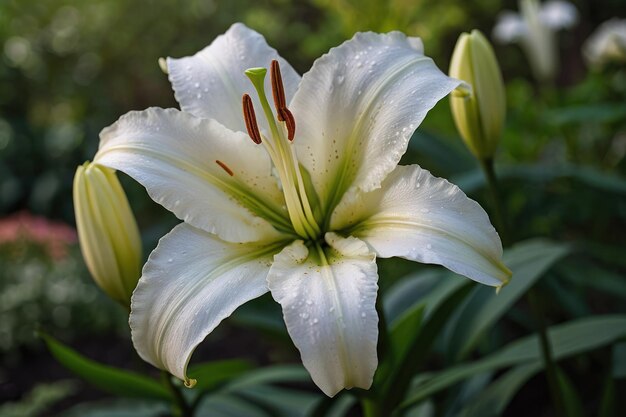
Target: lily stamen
250, 118
290, 122
225, 167
278, 89
283, 114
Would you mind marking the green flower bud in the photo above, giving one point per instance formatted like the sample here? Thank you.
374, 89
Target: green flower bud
107, 231
479, 115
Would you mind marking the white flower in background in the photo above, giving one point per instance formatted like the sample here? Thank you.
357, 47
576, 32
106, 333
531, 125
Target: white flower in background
607, 43
535, 29
299, 201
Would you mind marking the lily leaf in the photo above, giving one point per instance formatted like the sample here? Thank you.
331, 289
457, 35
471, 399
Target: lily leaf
107, 378
483, 307
494, 399
270, 375
417, 348
567, 339
474, 180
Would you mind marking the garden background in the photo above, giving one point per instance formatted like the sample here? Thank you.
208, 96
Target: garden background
70, 68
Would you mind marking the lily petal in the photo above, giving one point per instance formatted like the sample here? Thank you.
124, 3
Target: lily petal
174, 155
191, 282
328, 303
210, 83
426, 219
358, 107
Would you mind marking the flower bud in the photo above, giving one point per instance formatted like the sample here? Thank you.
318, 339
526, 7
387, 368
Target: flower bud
107, 231
479, 115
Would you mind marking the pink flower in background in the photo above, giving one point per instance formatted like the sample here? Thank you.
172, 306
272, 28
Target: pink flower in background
53, 236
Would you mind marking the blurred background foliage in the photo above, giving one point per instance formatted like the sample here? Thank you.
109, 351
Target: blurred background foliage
68, 68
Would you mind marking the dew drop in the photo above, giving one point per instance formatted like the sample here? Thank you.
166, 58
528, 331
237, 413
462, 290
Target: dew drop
304, 315
197, 85
363, 314
315, 321
425, 210
309, 302
170, 260
429, 246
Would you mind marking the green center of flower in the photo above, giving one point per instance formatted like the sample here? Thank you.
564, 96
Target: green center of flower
282, 127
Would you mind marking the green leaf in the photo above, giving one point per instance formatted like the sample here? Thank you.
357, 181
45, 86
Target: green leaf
573, 405
210, 375
229, 406
38, 400
411, 290
566, 339
483, 307
584, 114
404, 329
474, 180
270, 375
619, 361
419, 345
118, 408
603, 280
107, 378
494, 399
281, 402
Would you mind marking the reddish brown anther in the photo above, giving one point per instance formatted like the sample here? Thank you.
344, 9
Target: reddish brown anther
290, 122
280, 102
250, 118
225, 167
278, 90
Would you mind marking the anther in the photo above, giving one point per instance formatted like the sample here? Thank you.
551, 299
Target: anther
280, 102
278, 90
225, 167
250, 118
290, 121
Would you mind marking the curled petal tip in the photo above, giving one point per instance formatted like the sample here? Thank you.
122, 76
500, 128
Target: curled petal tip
190, 383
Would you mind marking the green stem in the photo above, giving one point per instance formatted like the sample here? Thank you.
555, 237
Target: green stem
546, 352
496, 201
546, 349
371, 408
182, 407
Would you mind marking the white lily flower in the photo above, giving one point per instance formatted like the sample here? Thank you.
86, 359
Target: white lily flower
607, 43
304, 208
534, 28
